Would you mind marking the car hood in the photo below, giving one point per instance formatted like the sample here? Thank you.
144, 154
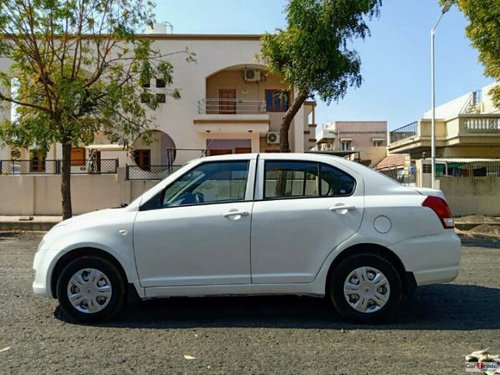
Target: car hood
92, 218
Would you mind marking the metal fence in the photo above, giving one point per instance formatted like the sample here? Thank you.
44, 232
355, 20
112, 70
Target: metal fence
404, 132
468, 170
231, 106
54, 167
397, 175
150, 172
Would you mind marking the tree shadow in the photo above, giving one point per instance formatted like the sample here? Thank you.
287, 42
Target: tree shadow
442, 307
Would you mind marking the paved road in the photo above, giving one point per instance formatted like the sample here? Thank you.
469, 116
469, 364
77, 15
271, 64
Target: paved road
284, 335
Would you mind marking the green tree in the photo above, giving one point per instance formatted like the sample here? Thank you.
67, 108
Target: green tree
484, 32
78, 68
314, 54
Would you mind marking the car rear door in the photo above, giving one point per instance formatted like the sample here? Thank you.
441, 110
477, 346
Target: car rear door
303, 210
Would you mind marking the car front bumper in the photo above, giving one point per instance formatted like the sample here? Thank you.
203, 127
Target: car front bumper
41, 284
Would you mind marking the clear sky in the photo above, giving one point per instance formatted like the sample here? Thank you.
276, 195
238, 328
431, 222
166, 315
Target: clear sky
395, 59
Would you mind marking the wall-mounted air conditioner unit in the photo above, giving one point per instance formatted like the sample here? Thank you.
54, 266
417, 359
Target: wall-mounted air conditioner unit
273, 138
252, 75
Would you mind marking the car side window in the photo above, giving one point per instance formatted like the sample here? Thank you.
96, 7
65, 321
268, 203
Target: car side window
209, 183
295, 179
212, 182
291, 179
334, 182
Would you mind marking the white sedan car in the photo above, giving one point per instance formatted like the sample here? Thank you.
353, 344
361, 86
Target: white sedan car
303, 224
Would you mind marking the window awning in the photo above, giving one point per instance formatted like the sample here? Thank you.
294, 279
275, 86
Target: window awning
345, 139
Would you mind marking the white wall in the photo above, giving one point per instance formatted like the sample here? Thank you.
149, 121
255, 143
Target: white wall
454, 107
450, 109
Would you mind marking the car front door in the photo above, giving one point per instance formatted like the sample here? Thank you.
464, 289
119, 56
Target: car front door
196, 231
304, 211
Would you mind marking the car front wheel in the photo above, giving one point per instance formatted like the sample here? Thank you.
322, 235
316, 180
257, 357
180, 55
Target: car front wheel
365, 288
90, 290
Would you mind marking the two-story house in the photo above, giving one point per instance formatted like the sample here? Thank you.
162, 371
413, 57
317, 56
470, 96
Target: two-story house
230, 103
466, 127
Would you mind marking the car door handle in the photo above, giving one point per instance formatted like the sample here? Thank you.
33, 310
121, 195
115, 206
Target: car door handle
342, 209
235, 213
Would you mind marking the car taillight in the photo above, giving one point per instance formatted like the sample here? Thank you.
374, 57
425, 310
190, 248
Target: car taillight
440, 207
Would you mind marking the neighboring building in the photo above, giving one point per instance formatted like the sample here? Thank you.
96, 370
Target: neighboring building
369, 138
466, 127
230, 104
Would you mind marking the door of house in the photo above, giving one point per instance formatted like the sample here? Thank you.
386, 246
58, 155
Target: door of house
242, 150
37, 161
219, 152
143, 159
77, 156
227, 101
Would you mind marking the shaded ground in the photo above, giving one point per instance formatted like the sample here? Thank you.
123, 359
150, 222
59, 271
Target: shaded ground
433, 333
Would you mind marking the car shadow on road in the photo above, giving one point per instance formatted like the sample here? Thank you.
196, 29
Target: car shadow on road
443, 307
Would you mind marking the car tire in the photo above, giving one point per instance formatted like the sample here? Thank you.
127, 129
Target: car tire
365, 288
91, 290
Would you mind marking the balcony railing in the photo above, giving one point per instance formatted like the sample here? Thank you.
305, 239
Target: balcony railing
404, 132
327, 147
54, 167
481, 124
213, 106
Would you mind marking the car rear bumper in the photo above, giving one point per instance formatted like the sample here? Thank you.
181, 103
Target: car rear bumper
431, 259
435, 276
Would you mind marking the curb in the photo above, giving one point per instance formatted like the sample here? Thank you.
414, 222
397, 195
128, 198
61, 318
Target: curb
32, 226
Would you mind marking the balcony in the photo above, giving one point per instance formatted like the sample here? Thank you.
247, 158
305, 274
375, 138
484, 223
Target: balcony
404, 132
466, 135
213, 106
232, 116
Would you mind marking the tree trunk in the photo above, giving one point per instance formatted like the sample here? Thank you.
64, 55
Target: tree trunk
66, 180
287, 120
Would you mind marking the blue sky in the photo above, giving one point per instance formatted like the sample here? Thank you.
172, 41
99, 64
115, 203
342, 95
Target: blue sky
395, 59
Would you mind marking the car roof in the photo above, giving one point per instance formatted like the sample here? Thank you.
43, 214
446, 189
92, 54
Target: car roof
310, 156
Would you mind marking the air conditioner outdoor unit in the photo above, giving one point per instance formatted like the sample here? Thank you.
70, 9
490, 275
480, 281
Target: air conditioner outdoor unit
273, 138
252, 75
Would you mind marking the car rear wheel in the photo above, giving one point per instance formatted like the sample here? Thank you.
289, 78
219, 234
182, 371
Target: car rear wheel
365, 288
91, 290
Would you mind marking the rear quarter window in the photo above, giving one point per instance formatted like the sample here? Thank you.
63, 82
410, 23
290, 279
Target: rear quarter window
335, 183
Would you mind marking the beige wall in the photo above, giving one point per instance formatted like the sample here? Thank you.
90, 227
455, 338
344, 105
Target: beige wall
472, 196
374, 154
41, 195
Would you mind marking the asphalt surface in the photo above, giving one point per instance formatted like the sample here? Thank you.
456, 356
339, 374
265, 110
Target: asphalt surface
284, 335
